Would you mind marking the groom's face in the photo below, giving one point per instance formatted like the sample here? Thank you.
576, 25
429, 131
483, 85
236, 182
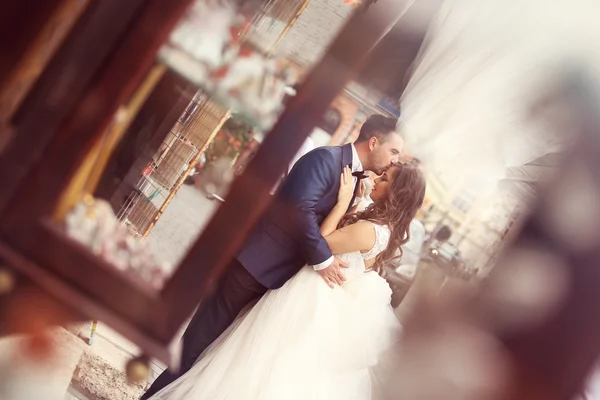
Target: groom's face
385, 150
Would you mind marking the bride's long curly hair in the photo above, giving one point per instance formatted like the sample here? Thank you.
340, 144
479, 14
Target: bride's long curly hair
405, 195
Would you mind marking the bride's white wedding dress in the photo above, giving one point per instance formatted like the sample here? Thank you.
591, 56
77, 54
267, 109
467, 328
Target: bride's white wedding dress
303, 341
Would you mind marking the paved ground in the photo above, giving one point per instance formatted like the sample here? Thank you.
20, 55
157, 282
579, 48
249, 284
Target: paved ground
181, 224
73, 394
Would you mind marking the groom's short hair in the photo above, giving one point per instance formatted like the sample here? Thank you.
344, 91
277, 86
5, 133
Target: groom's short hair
377, 126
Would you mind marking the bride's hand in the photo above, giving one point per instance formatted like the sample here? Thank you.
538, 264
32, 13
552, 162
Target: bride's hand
346, 187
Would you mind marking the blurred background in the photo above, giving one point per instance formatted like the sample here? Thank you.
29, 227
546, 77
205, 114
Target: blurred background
124, 127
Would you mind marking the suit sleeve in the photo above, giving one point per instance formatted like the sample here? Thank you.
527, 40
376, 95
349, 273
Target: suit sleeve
309, 180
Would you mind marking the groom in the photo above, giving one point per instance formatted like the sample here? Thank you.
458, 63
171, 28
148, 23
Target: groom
287, 237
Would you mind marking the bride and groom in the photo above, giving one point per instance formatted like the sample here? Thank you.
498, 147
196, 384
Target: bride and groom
321, 312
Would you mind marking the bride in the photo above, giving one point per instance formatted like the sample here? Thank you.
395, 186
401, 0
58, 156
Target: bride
306, 340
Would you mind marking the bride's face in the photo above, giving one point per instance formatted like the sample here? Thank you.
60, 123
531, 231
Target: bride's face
380, 188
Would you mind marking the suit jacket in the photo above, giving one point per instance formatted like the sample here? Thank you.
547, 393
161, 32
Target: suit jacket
287, 237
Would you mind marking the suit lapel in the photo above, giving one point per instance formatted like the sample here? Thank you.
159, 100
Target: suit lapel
347, 162
347, 155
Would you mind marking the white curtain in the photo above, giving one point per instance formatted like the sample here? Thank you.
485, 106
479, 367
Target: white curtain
464, 111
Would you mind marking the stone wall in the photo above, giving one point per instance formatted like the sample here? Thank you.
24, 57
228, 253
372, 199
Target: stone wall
314, 30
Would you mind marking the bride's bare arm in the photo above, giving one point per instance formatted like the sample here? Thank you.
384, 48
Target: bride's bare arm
333, 219
355, 237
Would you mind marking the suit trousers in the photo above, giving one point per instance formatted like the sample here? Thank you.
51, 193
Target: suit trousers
235, 290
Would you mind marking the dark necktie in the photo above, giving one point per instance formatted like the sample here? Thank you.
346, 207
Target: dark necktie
358, 175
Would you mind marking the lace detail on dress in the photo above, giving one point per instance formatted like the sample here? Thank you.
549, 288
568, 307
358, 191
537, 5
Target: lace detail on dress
382, 237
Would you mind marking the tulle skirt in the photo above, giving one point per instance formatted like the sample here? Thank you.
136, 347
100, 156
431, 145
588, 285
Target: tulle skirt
303, 341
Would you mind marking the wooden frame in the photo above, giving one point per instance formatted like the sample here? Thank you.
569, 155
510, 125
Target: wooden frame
61, 87
38, 52
69, 270
19, 28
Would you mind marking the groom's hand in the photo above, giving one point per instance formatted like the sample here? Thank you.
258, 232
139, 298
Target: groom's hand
333, 275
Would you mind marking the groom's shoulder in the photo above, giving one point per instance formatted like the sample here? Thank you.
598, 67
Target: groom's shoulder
324, 155
324, 158
325, 151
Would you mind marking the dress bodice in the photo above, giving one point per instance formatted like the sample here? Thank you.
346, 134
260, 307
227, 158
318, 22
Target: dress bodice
356, 259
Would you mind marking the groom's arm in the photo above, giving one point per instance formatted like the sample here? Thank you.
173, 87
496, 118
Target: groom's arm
312, 176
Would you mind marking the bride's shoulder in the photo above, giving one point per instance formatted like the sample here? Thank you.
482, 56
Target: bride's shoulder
382, 231
378, 226
380, 237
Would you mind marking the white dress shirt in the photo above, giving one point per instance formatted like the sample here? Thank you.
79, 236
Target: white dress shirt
356, 166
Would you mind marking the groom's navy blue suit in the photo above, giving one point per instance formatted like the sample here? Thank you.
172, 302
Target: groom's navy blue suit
283, 241
287, 237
